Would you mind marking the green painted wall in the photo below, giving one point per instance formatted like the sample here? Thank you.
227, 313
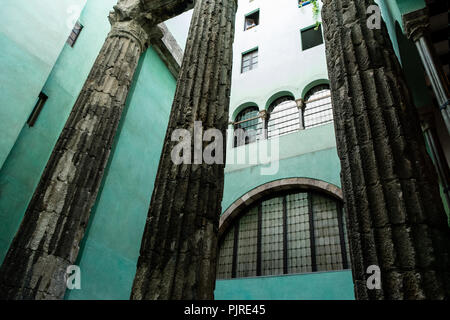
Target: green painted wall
111, 245
26, 161
32, 35
336, 285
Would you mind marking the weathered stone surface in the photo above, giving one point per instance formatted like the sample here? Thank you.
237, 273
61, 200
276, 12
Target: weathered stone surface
394, 211
179, 246
56, 218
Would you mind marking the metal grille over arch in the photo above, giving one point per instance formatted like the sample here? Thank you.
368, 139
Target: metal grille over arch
284, 117
285, 232
247, 126
318, 108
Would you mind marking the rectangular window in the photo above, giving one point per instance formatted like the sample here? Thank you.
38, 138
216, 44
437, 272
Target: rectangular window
74, 34
311, 37
251, 20
37, 109
249, 60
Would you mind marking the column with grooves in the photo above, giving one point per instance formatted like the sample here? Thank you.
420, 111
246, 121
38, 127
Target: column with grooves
47, 241
394, 211
179, 246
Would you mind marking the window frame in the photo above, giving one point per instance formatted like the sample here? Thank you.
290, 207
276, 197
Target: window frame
306, 102
344, 245
248, 15
238, 122
252, 65
309, 28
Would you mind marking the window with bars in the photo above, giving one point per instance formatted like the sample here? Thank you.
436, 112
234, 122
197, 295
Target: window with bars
247, 126
74, 34
287, 233
318, 108
249, 60
284, 117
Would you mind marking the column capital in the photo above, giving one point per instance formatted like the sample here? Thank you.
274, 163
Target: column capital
300, 103
263, 114
416, 24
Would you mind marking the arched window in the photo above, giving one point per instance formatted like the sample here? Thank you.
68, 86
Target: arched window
285, 233
284, 117
247, 126
318, 109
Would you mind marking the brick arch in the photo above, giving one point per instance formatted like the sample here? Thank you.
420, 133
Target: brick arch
237, 208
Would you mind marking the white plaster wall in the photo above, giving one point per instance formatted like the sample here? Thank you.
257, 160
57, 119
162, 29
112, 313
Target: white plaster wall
282, 64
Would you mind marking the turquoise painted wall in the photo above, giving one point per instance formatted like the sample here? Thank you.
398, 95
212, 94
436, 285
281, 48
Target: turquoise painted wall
110, 249
32, 35
336, 285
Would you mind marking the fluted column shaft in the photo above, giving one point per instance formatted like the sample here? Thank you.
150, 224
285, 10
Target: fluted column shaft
56, 218
395, 215
179, 246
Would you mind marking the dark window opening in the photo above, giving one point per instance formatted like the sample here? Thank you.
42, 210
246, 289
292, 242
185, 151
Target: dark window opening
249, 61
311, 37
251, 20
74, 34
37, 109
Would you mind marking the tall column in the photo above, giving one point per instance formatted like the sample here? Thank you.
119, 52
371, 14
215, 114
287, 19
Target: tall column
56, 218
395, 215
179, 246
416, 26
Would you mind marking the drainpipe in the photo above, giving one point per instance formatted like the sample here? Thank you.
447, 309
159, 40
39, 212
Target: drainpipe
428, 128
416, 25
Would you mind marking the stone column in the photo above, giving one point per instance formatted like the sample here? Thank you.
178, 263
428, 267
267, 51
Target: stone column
416, 25
394, 212
179, 246
56, 218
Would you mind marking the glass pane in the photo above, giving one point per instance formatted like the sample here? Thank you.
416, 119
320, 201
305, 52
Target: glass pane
225, 260
272, 237
298, 236
318, 108
326, 232
246, 257
284, 118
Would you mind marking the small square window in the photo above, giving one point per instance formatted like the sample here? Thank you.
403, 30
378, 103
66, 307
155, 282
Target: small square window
251, 20
311, 37
249, 60
74, 34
